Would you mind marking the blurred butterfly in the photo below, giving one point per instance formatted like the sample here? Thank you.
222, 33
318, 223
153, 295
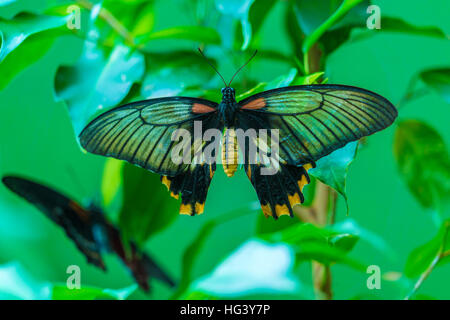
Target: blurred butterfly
89, 229
313, 121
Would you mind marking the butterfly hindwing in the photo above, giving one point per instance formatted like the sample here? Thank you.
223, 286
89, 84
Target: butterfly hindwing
145, 132
76, 221
280, 192
141, 265
315, 120
193, 187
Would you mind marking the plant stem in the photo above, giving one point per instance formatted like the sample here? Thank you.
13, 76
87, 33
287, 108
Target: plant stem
112, 21
318, 213
321, 273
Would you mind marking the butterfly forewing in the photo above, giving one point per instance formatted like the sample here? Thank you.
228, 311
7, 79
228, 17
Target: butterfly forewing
76, 221
315, 120
143, 132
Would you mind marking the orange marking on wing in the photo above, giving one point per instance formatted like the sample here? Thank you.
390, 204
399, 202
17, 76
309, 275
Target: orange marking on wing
255, 104
302, 182
281, 210
199, 207
81, 212
186, 209
201, 108
294, 199
266, 210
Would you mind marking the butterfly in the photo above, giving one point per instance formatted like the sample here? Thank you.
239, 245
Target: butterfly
312, 121
88, 229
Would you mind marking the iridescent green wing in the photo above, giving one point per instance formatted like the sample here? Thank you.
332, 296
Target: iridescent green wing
145, 132
315, 120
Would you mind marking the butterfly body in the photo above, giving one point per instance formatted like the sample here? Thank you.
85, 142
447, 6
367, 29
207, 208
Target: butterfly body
228, 107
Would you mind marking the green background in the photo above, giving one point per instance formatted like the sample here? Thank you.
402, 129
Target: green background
37, 140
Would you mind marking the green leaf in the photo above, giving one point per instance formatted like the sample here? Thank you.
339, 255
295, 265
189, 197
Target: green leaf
136, 16
14, 32
61, 292
392, 24
326, 254
332, 169
190, 256
299, 233
250, 270
21, 59
308, 79
314, 243
388, 24
238, 10
147, 207
265, 226
6, 2
422, 257
176, 73
194, 33
344, 241
439, 80
423, 162
256, 17
111, 180
17, 283
96, 83
339, 14
350, 226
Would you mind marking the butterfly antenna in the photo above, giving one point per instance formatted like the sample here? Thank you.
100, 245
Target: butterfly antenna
254, 54
212, 66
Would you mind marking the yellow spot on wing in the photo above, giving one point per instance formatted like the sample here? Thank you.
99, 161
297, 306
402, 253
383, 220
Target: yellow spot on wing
165, 181
281, 210
266, 210
186, 209
199, 207
302, 182
294, 199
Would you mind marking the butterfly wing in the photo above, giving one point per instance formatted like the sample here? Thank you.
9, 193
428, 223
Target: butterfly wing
141, 266
312, 122
76, 221
145, 132
141, 133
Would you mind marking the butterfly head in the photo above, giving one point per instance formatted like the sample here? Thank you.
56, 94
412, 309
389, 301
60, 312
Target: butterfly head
228, 94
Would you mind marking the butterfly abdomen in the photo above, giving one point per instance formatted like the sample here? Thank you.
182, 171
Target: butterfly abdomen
229, 152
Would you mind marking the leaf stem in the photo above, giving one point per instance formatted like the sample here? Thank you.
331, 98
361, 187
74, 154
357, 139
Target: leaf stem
439, 256
306, 63
345, 7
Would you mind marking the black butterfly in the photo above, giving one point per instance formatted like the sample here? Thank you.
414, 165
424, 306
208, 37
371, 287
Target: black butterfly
89, 229
313, 121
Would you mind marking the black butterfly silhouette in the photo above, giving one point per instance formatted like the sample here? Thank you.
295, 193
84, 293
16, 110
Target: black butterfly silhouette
89, 230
